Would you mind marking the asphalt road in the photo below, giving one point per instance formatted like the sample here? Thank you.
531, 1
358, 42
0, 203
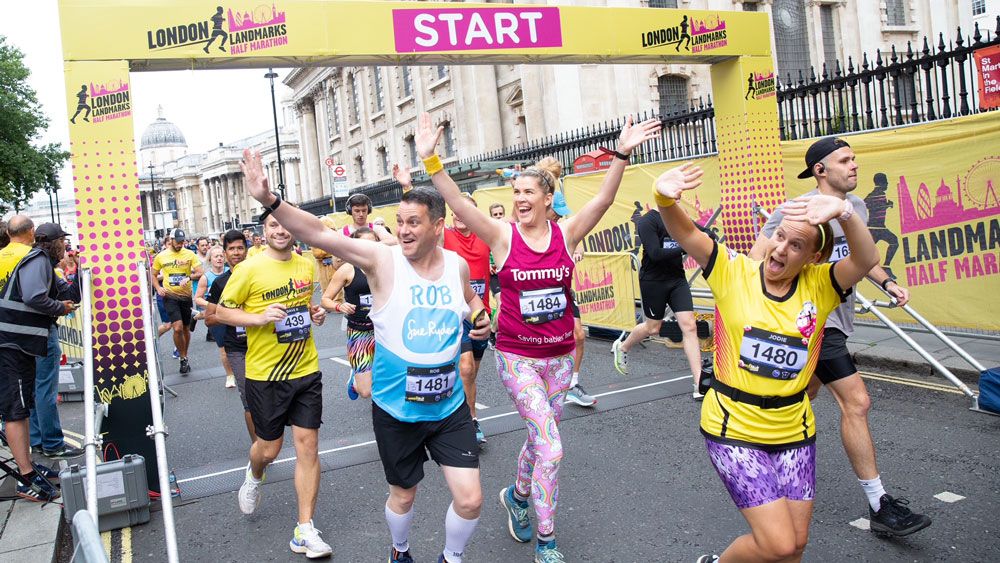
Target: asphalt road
635, 483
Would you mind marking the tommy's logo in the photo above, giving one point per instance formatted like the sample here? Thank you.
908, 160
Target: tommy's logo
694, 35
760, 85
229, 31
108, 101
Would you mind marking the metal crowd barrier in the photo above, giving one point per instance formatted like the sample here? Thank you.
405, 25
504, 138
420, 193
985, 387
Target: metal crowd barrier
87, 544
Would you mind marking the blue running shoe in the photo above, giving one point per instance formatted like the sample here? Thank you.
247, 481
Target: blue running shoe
352, 394
176, 355
547, 553
399, 556
518, 523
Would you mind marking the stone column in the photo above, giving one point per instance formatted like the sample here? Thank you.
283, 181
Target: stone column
308, 145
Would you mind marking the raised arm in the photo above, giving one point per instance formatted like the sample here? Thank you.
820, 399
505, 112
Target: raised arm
426, 139
582, 222
666, 191
343, 276
307, 227
818, 209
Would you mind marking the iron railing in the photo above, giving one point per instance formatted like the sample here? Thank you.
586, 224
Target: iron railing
893, 89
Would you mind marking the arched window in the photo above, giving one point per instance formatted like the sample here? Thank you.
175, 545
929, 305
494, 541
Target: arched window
379, 92
352, 90
406, 78
790, 37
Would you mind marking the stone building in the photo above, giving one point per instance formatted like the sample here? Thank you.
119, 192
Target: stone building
203, 193
364, 118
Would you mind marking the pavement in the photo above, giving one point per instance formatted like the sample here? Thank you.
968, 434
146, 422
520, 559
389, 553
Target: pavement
629, 495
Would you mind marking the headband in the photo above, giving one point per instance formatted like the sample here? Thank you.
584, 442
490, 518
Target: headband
822, 236
539, 173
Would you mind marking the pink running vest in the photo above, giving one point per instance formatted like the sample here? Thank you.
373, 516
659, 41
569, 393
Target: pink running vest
536, 318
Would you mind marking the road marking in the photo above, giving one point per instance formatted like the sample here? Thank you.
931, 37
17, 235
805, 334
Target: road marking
341, 361
127, 544
862, 524
911, 382
73, 434
71, 442
480, 406
948, 497
106, 540
372, 442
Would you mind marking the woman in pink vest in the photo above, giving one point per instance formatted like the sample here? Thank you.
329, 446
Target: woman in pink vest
535, 344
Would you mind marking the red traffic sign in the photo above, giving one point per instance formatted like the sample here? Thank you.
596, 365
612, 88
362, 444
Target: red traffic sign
329, 162
339, 171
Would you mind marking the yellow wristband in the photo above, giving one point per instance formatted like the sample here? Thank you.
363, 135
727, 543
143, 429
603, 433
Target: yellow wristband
433, 164
662, 200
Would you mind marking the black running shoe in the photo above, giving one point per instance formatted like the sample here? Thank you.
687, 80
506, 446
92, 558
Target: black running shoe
399, 556
895, 519
64, 452
185, 366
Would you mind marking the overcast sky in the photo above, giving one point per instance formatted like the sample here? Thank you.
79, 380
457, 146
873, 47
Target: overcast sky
208, 106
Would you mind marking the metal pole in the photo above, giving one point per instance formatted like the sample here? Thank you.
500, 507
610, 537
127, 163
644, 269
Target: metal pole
58, 212
936, 332
157, 431
913, 344
271, 75
52, 212
89, 431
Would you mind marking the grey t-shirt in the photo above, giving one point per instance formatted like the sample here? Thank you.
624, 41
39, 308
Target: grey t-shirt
842, 317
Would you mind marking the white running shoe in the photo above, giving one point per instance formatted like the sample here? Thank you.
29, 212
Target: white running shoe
620, 356
249, 495
306, 540
230, 381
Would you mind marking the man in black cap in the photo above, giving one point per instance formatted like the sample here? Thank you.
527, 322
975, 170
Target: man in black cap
30, 298
832, 162
178, 267
45, 428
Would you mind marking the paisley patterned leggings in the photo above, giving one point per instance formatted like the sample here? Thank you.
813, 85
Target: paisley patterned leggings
756, 477
538, 387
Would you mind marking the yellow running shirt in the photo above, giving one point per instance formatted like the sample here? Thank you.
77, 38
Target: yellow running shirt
766, 345
255, 250
176, 268
283, 350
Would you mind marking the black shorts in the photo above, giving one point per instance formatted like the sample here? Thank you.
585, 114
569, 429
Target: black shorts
495, 284
835, 361
17, 384
277, 404
477, 347
238, 361
656, 295
218, 333
178, 309
403, 446
573, 305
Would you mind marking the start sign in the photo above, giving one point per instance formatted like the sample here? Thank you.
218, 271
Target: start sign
467, 29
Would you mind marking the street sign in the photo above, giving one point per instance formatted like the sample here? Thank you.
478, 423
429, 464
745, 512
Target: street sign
341, 187
329, 162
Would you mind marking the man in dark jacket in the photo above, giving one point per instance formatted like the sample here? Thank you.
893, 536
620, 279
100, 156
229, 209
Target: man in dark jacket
28, 303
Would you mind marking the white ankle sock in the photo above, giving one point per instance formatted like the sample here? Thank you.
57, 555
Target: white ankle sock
874, 491
574, 380
399, 528
457, 531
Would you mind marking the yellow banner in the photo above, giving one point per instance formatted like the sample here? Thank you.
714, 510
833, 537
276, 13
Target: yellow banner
932, 197
604, 291
70, 329
184, 34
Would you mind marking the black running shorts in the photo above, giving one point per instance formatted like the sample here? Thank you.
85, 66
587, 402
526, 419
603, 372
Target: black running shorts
178, 309
656, 295
17, 384
403, 446
277, 404
835, 361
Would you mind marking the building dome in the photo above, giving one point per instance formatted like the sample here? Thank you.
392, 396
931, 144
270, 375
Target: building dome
162, 133
943, 191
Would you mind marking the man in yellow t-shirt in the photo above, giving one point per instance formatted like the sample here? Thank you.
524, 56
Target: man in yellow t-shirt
271, 295
177, 266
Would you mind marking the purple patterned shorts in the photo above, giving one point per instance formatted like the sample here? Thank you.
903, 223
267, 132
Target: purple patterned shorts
756, 477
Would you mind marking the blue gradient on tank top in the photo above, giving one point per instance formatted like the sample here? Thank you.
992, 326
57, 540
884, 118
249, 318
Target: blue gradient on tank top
389, 389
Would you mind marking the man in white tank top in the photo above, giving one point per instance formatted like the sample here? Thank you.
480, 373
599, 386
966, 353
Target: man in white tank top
418, 404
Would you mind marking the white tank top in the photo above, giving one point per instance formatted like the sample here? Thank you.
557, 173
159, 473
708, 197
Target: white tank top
418, 337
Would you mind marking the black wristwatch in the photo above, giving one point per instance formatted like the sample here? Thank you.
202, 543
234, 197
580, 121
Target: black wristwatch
618, 155
277, 202
886, 282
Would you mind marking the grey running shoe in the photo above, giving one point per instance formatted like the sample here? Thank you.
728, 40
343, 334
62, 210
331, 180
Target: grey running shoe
577, 395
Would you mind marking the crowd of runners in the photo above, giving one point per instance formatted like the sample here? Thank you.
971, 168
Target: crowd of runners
423, 302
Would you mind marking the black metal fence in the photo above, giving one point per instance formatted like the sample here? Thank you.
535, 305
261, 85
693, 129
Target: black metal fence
894, 88
888, 90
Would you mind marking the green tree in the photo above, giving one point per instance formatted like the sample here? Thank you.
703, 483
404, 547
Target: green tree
25, 167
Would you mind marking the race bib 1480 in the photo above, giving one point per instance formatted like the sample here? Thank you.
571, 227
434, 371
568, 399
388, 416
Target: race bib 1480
770, 354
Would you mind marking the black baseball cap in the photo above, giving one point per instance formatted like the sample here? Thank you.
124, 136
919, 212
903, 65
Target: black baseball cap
48, 232
178, 235
819, 150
